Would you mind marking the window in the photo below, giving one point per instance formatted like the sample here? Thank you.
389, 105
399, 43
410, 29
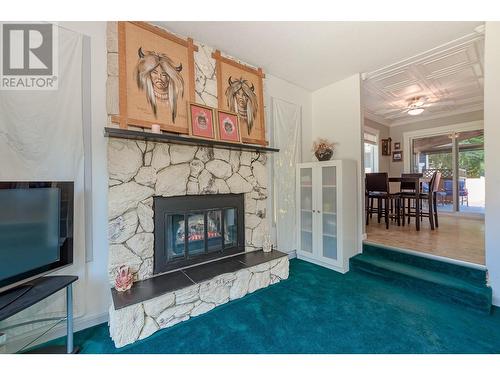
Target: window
371, 152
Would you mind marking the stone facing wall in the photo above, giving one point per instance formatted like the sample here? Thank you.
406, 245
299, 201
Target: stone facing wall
141, 320
140, 170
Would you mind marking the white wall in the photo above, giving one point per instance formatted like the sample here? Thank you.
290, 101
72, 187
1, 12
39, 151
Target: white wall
97, 292
336, 115
492, 155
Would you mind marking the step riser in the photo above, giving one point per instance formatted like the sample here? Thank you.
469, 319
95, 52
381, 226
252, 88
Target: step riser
477, 303
471, 275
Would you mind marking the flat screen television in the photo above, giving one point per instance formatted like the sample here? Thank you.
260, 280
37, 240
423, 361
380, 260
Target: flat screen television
36, 230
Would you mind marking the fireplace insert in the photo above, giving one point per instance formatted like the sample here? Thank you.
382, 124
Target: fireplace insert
194, 229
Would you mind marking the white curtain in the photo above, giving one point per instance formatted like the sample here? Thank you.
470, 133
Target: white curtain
286, 130
41, 139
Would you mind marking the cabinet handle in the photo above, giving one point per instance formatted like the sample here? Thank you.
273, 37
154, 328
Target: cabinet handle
319, 211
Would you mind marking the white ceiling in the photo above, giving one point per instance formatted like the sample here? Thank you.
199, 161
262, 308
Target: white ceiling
315, 54
451, 77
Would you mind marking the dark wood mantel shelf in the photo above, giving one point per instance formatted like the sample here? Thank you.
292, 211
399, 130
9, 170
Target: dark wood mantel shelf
183, 140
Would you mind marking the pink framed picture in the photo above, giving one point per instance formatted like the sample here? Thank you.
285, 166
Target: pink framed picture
201, 121
228, 126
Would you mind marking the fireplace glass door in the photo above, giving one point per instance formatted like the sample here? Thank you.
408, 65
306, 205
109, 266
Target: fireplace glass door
187, 232
214, 230
230, 228
204, 233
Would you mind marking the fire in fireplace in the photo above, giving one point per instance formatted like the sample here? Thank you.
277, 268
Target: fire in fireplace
195, 229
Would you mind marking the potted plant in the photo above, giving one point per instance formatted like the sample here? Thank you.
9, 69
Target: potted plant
323, 149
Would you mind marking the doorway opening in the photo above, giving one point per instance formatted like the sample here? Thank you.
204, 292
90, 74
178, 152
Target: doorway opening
459, 157
428, 114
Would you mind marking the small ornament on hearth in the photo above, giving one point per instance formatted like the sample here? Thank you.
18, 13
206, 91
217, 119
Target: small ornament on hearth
267, 245
323, 149
124, 279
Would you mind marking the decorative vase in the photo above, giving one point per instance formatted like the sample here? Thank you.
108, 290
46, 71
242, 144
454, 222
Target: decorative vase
124, 279
267, 245
324, 155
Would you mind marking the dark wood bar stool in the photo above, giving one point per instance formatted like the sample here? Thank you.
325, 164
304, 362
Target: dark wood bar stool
377, 187
430, 197
407, 192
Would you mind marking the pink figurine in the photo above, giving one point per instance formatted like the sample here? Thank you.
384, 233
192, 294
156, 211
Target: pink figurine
124, 279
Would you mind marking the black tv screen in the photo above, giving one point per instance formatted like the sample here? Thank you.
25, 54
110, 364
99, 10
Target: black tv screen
36, 229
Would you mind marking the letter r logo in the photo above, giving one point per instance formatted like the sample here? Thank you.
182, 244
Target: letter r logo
27, 49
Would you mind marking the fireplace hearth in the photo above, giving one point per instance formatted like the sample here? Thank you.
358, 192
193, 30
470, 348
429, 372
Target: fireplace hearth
195, 229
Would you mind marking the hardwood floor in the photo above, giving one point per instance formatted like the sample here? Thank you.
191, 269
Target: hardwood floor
458, 237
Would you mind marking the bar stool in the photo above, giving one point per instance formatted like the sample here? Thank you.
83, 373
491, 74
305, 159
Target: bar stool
377, 187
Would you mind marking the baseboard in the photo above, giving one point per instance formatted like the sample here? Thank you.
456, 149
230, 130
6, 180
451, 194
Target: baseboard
292, 254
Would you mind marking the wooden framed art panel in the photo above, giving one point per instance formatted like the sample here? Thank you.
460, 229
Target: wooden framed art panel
240, 90
201, 121
386, 146
228, 126
156, 77
397, 156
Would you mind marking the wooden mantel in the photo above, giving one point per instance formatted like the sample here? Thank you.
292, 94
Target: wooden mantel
182, 140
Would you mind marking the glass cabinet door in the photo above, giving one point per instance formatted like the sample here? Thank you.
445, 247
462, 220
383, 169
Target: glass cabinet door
306, 207
329, 212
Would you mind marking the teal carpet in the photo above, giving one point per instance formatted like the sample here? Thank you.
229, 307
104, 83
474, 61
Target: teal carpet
320, 311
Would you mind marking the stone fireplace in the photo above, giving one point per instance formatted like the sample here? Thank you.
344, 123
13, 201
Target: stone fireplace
140, 172
188, 220
210, 203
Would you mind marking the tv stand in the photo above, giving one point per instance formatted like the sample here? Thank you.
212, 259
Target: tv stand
26, 295
13, 295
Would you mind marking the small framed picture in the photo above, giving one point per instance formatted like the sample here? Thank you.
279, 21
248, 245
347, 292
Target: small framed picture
228, 126
201, 121
397, 145
386, 147
397, 156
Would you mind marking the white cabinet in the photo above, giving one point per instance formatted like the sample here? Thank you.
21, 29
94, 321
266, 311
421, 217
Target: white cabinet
326, 212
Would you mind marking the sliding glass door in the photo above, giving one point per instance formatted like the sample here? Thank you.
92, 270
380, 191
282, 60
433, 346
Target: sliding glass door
471, 167
459, 157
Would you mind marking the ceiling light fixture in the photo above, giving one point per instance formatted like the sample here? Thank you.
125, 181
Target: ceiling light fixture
415, 105
415, 111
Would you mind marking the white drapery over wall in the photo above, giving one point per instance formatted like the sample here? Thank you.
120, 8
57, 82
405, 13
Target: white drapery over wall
286, 130
41, 139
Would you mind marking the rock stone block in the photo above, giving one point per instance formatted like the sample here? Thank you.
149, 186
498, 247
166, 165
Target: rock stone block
124, 197
173, 180
122, 228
